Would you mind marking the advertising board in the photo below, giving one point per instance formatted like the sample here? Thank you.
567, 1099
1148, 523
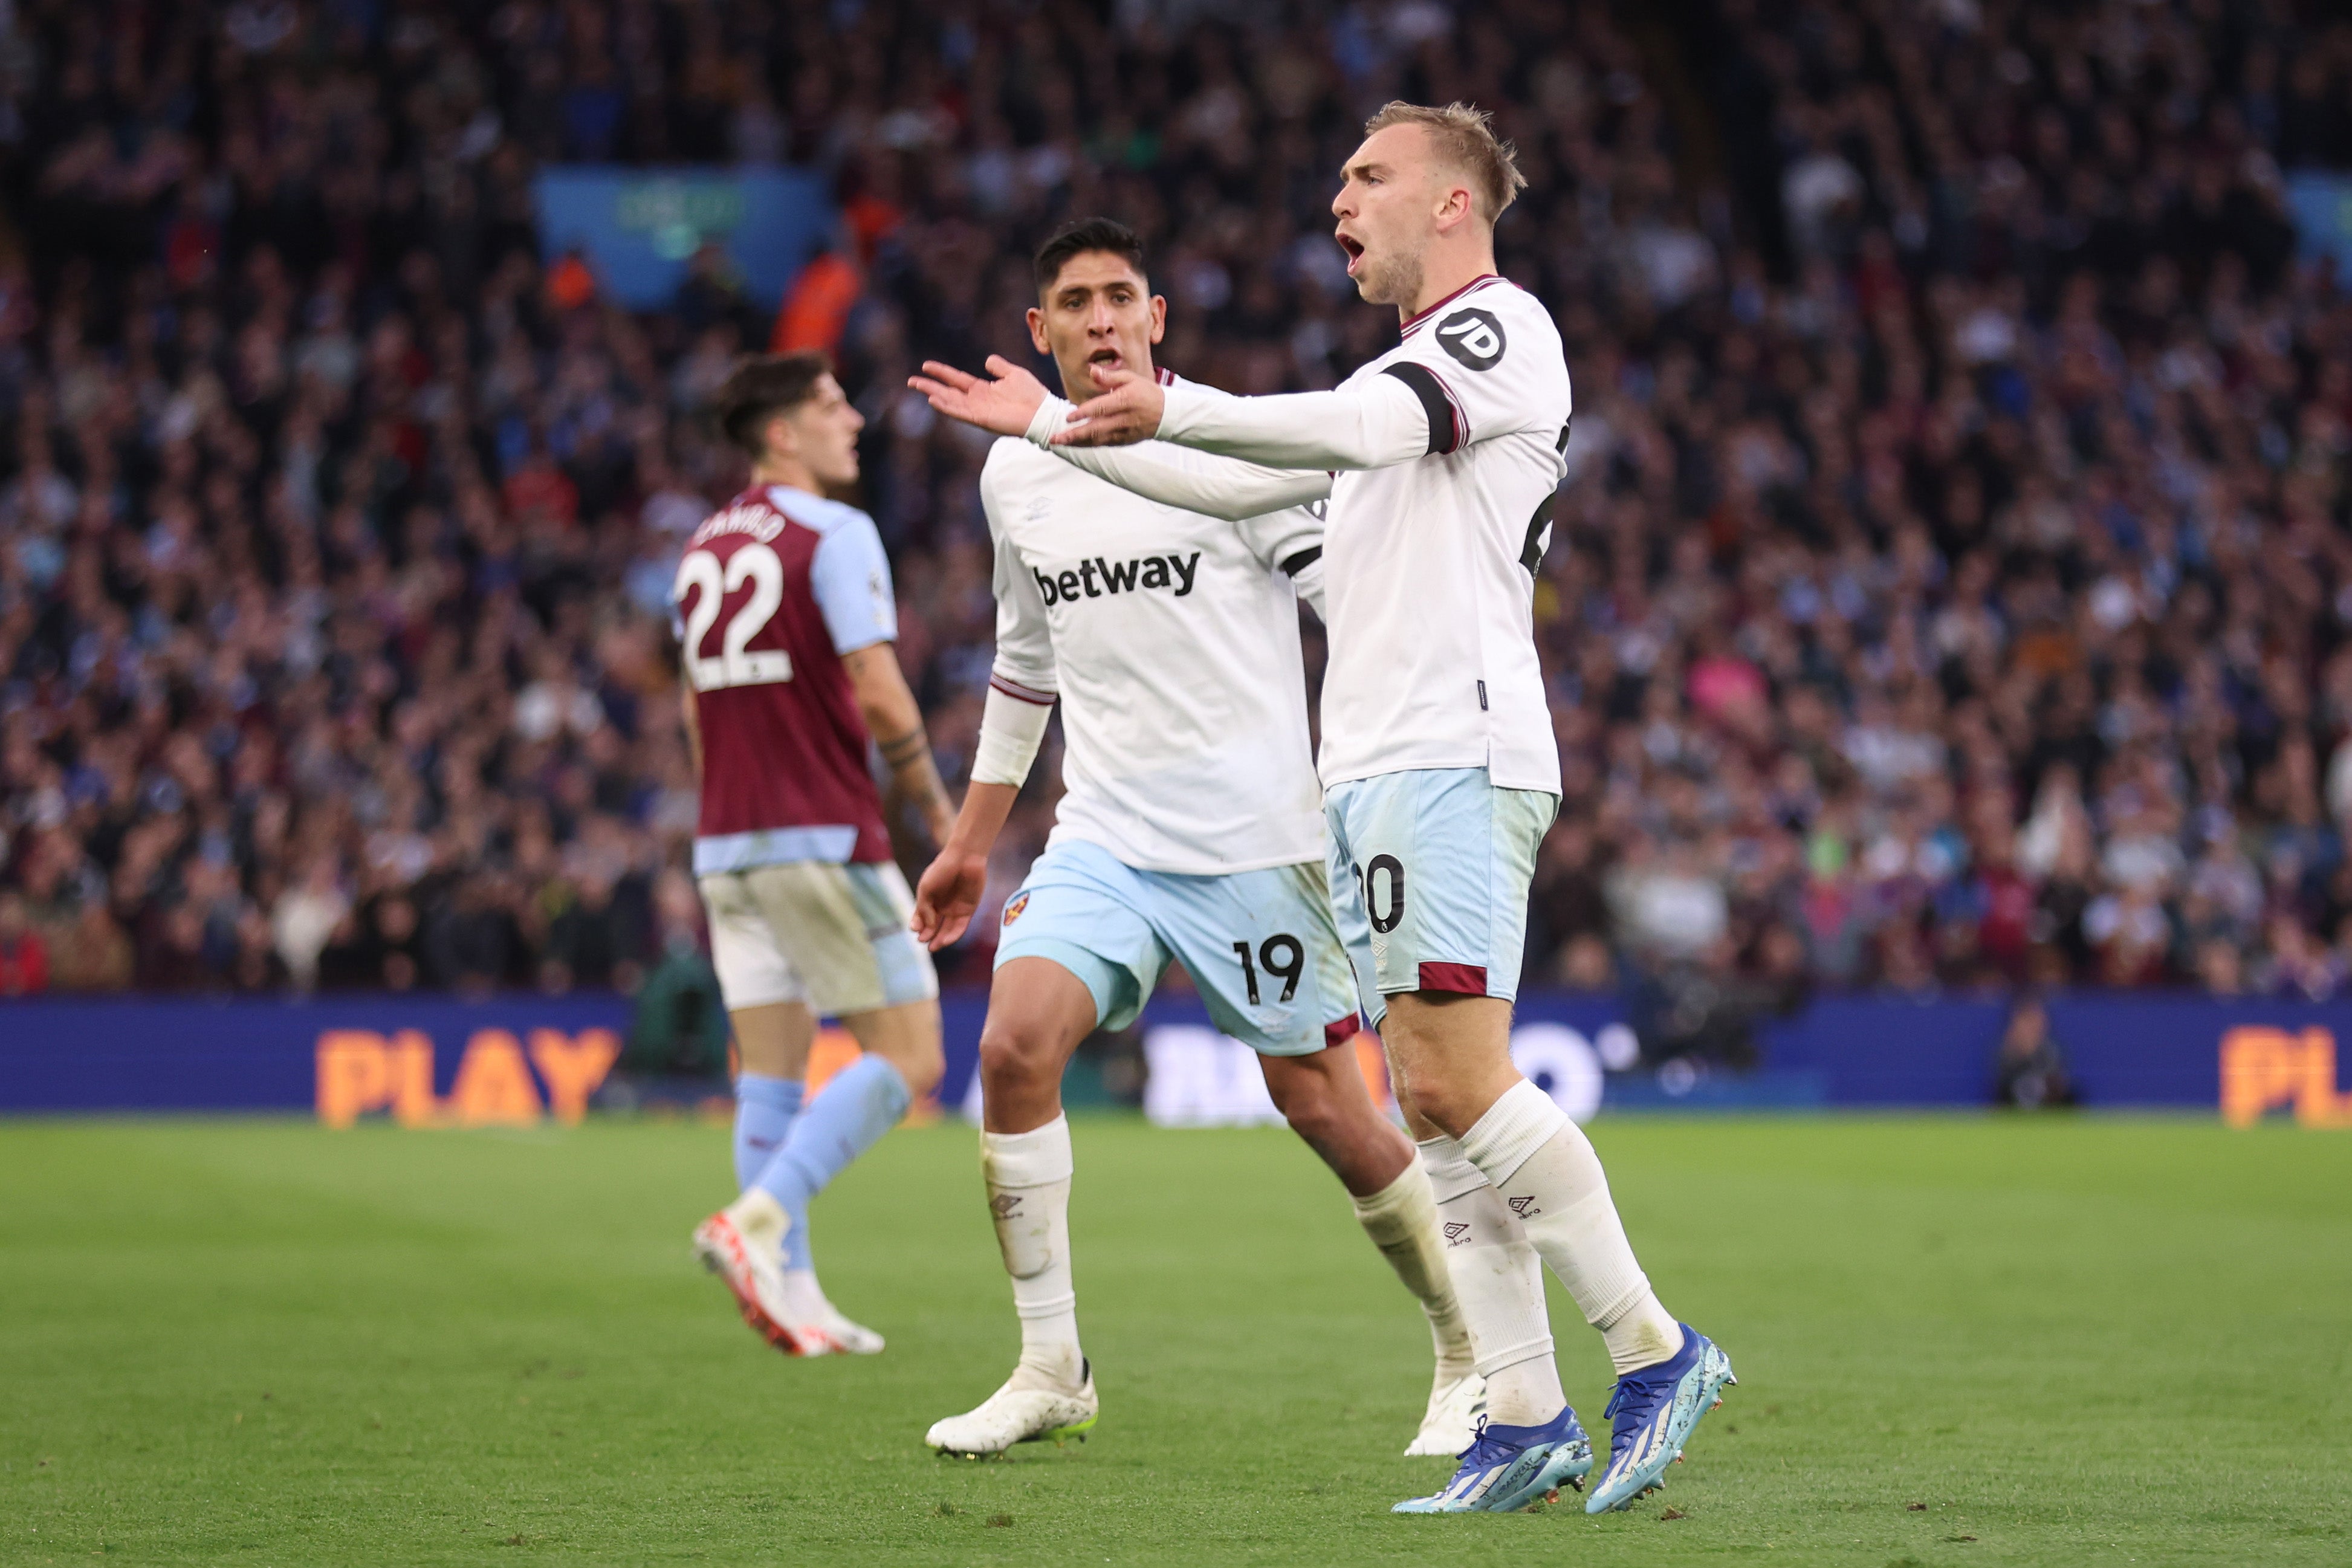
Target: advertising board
512, 1060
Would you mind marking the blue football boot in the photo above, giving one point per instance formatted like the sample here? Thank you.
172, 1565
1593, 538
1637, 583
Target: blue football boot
1507, 1467
1651, 1416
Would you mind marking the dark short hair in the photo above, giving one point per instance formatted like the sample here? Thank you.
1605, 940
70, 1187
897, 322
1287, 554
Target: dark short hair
1087, 234
763, 387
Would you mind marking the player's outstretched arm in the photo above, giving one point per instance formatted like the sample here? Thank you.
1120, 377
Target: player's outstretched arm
1204, 483
896, 722
1003, 401
1370, 425
953, 884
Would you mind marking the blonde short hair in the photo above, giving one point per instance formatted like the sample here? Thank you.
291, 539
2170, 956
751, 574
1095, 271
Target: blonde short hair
1466, 135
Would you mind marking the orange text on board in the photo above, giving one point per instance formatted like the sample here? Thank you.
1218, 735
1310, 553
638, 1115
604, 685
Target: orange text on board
2265, 1069
361, 1071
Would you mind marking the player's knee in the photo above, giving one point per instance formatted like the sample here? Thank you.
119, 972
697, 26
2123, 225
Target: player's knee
1324, 1103
1011, 1057
1436, 1095
1304, 1099
1329, 1132
921, 1067
908, 1037
1312, 1110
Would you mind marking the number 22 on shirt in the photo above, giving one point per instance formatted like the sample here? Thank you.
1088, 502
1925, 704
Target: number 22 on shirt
738, 664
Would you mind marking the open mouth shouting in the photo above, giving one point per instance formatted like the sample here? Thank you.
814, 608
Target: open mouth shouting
1103, 361
1353, 246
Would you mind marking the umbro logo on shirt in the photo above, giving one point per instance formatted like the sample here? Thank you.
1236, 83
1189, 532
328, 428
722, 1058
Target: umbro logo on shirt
1524, 1207
1457, 1234
1095, 578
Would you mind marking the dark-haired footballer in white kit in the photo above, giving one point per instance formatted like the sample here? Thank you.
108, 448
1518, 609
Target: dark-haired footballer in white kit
1192, 832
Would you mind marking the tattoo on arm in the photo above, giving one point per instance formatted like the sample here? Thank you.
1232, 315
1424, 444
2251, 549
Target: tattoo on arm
915, 776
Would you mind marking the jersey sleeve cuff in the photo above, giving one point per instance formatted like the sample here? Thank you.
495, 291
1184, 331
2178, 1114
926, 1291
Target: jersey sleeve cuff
1013, 689
1012, 728
1051, 416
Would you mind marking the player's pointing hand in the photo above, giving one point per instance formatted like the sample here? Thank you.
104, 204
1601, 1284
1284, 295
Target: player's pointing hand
1003, 404
1128, 410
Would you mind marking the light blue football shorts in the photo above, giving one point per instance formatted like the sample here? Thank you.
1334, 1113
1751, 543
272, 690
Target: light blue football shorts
1260, 946
1429, 872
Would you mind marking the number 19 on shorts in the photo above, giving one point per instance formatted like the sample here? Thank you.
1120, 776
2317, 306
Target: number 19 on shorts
1283, 958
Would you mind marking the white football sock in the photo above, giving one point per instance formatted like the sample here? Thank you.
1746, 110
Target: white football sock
1548, 1174
1498, 1280
1028, 1178
1402, 1220
760, 1218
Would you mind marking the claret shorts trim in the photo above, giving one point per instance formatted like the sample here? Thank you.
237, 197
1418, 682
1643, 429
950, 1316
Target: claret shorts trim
1260, 945
1429, 871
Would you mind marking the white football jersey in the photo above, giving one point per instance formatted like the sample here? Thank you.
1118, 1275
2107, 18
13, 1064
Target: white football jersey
1172, 639
1429, 566
1443, 456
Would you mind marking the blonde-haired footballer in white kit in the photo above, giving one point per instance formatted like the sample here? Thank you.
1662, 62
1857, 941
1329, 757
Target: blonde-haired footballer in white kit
1191, 831
1439, 459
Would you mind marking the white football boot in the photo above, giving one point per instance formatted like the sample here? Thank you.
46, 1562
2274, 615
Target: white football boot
741, 1244
849, 1338
1456, 1403
1019, 1415
804, 1300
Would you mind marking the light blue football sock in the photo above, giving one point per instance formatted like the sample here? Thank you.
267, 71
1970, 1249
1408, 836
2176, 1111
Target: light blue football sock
765, 1110
859, 1104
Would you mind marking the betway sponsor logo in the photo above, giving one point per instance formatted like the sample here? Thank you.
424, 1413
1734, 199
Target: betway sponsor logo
1095, 578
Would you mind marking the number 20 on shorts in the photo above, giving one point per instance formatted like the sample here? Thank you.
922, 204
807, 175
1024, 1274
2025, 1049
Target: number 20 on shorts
1383, 906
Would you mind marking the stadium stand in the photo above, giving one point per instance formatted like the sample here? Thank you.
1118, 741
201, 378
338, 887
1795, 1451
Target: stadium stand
1950, 588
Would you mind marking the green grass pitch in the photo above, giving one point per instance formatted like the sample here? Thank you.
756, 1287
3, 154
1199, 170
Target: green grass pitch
2073, 1341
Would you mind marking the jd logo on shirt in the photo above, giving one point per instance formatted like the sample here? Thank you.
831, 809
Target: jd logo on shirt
1473, 336
1097, 577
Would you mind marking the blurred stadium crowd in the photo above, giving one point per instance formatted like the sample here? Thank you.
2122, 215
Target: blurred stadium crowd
1951, 584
